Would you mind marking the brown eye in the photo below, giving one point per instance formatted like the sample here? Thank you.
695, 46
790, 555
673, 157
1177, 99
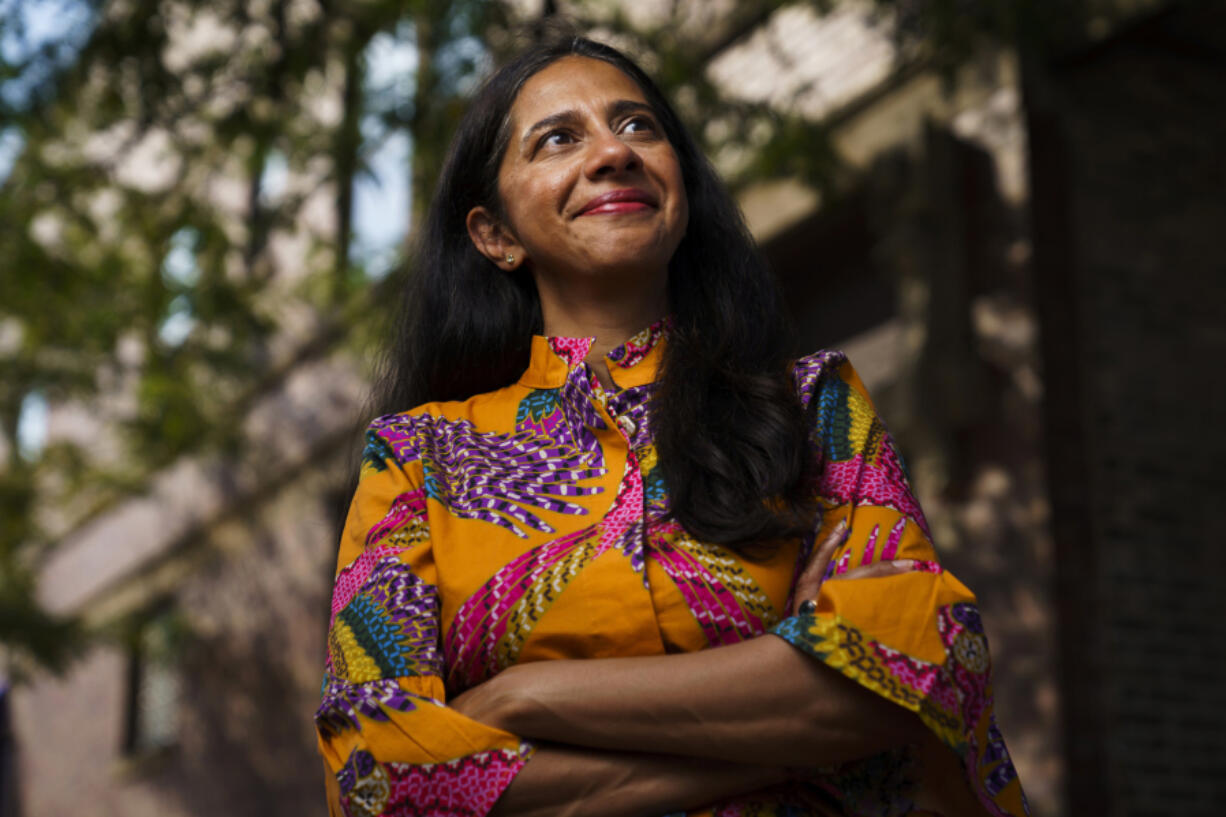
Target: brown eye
555, 138
639, 124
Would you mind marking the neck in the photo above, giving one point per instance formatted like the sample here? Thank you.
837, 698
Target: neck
611, 314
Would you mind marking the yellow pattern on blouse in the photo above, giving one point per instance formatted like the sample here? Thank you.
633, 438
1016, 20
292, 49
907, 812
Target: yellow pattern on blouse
530, 523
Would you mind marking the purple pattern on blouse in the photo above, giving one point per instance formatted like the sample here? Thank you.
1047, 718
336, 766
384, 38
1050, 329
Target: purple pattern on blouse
343, 702
490, 476
411, 604
582, 418
809, 369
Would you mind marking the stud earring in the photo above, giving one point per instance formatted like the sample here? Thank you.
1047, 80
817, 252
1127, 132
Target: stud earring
510, 258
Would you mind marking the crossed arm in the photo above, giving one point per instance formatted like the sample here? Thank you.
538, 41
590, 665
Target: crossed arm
712, 731
719, 723
655, 734
708, 705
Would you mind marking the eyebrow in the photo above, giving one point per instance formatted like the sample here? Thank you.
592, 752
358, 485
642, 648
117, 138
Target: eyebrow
616, 109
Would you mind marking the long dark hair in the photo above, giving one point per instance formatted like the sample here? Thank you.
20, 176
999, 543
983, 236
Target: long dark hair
729, 430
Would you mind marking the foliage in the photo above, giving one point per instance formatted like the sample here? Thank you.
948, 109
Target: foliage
140, 292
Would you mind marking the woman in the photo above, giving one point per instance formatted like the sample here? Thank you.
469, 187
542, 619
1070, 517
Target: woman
563, 493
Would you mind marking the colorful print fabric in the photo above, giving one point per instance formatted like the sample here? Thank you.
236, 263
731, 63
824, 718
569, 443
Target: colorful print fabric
530, 523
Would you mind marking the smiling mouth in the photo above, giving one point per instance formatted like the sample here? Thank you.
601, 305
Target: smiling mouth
627, 200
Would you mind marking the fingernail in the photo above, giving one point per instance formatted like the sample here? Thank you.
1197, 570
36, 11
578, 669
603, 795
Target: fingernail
903, 564
807, 607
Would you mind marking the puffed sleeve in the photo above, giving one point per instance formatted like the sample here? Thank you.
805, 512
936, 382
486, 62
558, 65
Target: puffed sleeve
383, 725
916, 637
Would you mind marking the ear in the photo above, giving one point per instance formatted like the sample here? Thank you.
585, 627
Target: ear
493, 240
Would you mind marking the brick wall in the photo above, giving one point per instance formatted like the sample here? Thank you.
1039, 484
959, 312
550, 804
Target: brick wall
252, 601
1130, 213
922, 274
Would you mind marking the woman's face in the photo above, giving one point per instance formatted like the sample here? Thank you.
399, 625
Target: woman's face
590, 184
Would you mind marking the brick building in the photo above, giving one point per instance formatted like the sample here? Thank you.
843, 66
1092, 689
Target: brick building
1127, 211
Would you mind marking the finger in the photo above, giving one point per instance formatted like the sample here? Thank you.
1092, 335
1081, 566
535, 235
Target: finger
805, 591
810, 579
892, 568
819, 562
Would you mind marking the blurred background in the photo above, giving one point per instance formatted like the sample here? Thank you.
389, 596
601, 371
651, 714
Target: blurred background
1008, 212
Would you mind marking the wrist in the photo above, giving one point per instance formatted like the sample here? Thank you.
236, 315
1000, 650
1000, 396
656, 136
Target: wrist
491, 702
519, 696
544, 699
507, 701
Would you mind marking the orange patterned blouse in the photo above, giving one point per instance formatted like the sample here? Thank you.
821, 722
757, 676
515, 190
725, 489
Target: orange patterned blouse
531, 523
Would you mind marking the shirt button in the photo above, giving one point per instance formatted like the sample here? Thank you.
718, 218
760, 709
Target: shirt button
626, 425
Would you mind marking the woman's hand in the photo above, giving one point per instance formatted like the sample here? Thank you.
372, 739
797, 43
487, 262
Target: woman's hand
810, 580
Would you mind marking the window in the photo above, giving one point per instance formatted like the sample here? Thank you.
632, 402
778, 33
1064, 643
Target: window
154, 684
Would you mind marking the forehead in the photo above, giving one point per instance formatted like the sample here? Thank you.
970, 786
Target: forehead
571, 82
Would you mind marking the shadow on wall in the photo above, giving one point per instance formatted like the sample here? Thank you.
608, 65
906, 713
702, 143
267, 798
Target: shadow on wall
243, 747
921, 274
250, 670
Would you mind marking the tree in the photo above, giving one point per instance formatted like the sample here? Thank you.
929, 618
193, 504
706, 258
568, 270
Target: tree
164, 149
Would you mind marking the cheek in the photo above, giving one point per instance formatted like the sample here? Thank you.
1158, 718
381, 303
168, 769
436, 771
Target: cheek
532, 205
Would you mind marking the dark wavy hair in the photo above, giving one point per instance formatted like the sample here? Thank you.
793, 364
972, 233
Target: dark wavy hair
729, 430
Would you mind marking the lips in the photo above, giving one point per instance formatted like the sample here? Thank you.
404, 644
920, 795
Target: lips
625, 200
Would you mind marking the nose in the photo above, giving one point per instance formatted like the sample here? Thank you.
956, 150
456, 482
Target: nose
609, 156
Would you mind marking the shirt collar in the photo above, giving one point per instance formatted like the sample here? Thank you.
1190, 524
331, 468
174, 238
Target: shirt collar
633, 363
